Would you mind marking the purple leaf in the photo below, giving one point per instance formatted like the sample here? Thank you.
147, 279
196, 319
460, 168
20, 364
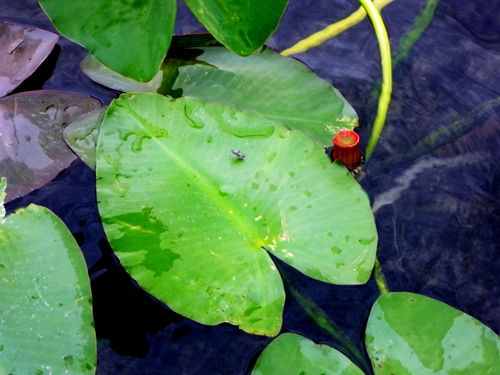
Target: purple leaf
32, 149
22, 50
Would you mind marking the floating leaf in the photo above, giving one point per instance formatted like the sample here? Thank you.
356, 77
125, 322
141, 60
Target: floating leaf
81, 135
130, 37
294, 354
275, 87
412, 334
190, 221
33, 151
241, 25
106, 77
46, 320
22, 50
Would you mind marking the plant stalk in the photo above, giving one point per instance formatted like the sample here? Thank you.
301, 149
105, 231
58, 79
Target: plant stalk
333, 30
379, 278
322, 320
385, 95
411, 36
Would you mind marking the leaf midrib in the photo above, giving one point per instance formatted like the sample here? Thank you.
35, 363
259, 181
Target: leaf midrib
205, 187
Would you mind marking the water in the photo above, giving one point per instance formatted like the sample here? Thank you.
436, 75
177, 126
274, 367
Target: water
437, 210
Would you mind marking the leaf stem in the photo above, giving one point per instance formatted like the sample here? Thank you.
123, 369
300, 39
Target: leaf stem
325, 322
333, 30
379, 278
410, 37
385, 95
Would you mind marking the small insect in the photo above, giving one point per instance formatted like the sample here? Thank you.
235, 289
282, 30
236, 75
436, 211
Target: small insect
238, 154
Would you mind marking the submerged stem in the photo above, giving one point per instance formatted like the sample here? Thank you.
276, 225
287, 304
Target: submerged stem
379, 278
410, 37
333, 30
385, 95
321, 319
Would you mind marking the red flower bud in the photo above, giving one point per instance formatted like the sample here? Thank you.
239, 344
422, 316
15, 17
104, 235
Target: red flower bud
346, 149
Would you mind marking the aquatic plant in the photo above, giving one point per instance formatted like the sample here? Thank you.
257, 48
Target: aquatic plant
46, 316
194, 225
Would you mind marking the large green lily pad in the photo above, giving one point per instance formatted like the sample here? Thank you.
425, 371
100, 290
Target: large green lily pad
241, 25
46, 324
190, 221
129, 36
412, 334
293, 354
275, 87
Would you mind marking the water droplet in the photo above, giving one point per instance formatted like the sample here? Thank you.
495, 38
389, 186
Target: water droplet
272, 156
336, 250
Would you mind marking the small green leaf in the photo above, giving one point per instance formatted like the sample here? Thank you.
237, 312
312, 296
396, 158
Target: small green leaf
187, 217
241, 25
278, 88
293, 354
45, 318
412, 334
129, 36
81, 135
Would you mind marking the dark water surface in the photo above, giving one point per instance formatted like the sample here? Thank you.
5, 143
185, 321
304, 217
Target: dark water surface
436, 206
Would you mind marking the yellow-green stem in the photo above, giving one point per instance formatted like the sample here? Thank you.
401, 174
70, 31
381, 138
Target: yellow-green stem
379, 278
335, 29
385, 95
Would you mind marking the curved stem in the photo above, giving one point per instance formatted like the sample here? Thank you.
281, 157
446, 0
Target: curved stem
325, 322
379, 278
385, 95
334, 29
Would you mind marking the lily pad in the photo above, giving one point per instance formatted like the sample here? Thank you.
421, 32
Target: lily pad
130, 37
293, 354
241, 25
190, 220
82, 134
275, 87
412, 334
33, 150
22, 50
46, 319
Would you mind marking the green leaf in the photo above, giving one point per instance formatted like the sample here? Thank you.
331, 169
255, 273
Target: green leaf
188, 218
293, 354
411, 334
241, 25
278, 88
129, 36
46, 315
81, 135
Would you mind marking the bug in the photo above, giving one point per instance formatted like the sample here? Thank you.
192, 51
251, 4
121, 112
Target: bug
240, 155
